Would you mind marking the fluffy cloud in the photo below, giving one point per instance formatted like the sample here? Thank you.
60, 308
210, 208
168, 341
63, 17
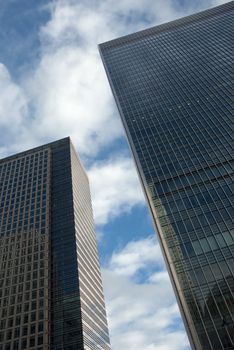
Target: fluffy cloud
115, 188
13, 104
137, 255
70, 98
141, 315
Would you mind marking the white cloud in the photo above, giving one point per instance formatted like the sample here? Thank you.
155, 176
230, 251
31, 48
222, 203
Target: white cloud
135, 256
141, 315
71, 97
160, 276
115, 188
13, 104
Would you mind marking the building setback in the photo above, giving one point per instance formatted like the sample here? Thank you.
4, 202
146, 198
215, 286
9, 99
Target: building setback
172, 85
50, 284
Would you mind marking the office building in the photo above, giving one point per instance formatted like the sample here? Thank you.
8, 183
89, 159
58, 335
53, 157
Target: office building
173, 87
50, 284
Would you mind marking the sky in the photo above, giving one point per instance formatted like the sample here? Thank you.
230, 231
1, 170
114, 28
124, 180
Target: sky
53, 85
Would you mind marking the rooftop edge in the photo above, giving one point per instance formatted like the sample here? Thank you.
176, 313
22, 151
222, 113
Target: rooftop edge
167, 26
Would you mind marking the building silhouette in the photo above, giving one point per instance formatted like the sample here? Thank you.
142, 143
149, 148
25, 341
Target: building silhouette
173, 87
50, 284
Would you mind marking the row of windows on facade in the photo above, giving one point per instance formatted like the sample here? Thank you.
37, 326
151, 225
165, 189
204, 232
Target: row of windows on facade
32, 328
22, 227
152, 90
24, 239
190, 139
30, 216
170, 123
179, 150
141, 114
24, 177
20, 278
171, 165
166, 101
13, 286
201, 221
22, 195
40, 228
37, 203
174, 110
196, 218
20, 209
205, 245
14, 260
24, 222
180, 160
19, 248
24, 259
193, 201
214, 191
10, 335
36, 157
162, 76
24, 180
18, 314
172, 235
19, 298
208, 274
27, 213
20, 318
24, 344
31, 183
19, 308
201, 176
179, 168
19, 288
12, 175
140, 55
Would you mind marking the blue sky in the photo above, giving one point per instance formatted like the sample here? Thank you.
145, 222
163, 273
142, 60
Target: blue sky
53, 85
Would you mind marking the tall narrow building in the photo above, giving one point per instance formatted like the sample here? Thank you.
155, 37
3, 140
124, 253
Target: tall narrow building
51, 294
173, 87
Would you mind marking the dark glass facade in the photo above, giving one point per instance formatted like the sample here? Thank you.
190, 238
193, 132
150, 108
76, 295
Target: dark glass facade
173, 87
50, 285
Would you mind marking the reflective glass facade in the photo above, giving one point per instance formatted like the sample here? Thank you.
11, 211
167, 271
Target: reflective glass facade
173, 87
50, 285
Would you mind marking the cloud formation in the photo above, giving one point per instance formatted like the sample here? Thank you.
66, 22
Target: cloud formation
142, 315
115, 188
13, 108
137, 255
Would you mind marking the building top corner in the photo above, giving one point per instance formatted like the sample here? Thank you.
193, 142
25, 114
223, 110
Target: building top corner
166, 26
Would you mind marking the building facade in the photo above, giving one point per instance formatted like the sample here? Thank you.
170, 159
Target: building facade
51, 294
173, 88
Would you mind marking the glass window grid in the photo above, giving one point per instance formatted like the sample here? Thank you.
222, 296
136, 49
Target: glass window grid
137, 74
24, 251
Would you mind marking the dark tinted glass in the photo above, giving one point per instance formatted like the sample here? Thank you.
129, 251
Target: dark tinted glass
173, 87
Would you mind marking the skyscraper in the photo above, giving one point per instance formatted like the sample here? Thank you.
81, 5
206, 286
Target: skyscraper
50, 285
172, 85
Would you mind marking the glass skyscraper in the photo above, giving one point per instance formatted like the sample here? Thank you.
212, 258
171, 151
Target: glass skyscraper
173, 87
50, 284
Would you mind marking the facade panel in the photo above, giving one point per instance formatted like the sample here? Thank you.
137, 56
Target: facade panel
24, 251
48, 255
173, 88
